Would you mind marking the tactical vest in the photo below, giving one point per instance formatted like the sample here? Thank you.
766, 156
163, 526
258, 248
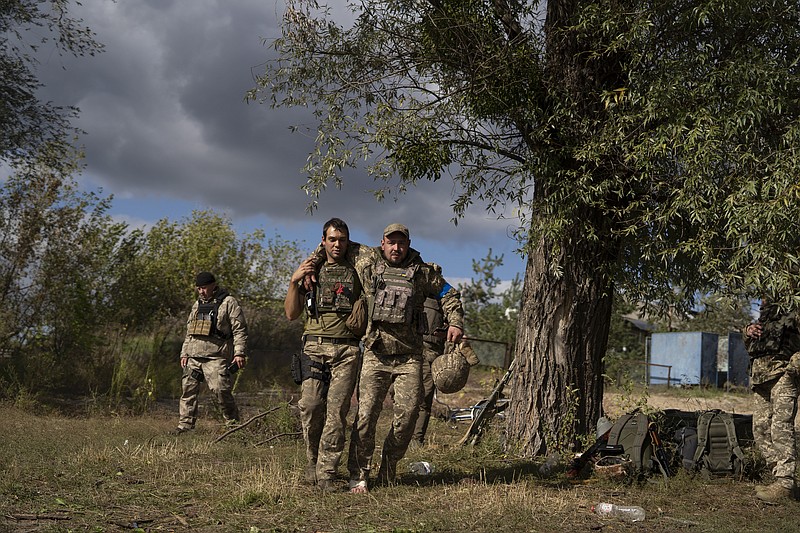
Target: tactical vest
394, 294
336, 292
434, 319
204, 322
779, 336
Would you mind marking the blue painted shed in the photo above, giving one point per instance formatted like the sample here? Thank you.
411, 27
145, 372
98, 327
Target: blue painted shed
683, 358
738, 360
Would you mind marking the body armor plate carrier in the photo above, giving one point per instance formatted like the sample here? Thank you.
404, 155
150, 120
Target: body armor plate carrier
336, 286
394, 292
205, 321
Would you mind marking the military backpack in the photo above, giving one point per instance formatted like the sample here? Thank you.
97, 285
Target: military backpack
718, 450
630, 437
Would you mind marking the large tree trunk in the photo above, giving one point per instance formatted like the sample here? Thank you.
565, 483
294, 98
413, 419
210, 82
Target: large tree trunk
557, 388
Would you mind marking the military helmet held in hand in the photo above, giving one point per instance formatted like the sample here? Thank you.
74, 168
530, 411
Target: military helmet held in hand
450, 372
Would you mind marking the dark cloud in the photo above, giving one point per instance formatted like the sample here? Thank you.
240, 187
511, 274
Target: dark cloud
165, 116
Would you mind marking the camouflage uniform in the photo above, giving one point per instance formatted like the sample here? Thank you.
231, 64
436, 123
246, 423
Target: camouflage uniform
775, 387
393, 355
324, 403
432, 347
210, 355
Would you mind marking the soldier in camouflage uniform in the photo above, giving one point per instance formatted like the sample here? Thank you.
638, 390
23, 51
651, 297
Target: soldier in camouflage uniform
772, 342
397, 282
331, 356
216, 330
432, 347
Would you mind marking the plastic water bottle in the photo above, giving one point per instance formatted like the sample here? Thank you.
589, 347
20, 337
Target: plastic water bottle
628, 513
421, 468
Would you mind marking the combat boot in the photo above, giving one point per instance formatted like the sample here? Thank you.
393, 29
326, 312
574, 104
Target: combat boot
387, 474
311, 473
775, 492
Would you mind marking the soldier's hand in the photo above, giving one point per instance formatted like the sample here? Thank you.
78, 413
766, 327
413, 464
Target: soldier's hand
454, 334
754, 330
240, 360
305, 269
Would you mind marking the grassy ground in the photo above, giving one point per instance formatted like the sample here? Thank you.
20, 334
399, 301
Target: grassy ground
126, 473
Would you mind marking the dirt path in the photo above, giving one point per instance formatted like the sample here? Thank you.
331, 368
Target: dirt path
616, 403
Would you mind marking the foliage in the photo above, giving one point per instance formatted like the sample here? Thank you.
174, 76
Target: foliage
27, 124
649, 145
57, 253
626, 343
251, 268
489, 312
721, 315
90, 305
676, 123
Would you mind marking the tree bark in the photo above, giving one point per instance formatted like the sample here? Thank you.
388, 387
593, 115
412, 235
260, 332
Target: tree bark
557, 389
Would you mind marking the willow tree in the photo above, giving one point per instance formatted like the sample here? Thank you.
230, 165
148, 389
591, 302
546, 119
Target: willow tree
650, 145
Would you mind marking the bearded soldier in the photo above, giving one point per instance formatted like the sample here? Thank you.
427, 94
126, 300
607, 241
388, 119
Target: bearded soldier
396, 281
216, 331
328, 366
773, 343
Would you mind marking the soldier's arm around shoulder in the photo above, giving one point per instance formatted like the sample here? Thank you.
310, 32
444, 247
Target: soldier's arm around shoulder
449, 298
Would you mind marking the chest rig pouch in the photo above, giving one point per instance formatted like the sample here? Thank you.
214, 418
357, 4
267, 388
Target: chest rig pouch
394, 292
336, 288
204, 322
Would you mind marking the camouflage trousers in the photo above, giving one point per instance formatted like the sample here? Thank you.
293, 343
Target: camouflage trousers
220, 383
378, 373
428, 390
324, 406
774, 410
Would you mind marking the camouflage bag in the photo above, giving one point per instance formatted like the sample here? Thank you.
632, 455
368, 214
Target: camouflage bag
357, 320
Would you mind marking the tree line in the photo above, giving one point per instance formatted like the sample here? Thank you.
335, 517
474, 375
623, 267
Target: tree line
92, 305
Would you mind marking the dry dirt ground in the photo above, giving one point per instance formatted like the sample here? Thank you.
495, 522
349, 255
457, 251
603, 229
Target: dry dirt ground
616, 403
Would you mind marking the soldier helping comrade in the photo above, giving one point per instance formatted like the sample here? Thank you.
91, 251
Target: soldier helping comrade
397, 281
773, 343
214, 348
328, 366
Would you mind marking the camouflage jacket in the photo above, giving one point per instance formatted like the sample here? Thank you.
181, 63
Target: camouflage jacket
232, 328
395, 339
779, 340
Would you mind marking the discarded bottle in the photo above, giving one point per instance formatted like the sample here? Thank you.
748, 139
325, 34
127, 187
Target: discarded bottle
628, 513
547, 467
421, 468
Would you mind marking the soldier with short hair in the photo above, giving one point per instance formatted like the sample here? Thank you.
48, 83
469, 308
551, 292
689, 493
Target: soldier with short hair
397, 281
216, 332
773, 343
331, 357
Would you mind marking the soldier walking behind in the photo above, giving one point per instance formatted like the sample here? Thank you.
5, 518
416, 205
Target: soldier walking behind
216, 331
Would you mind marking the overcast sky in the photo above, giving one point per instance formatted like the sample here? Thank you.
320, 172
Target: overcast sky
168, 131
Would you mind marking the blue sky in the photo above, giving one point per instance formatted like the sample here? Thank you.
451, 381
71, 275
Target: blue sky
168, 132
